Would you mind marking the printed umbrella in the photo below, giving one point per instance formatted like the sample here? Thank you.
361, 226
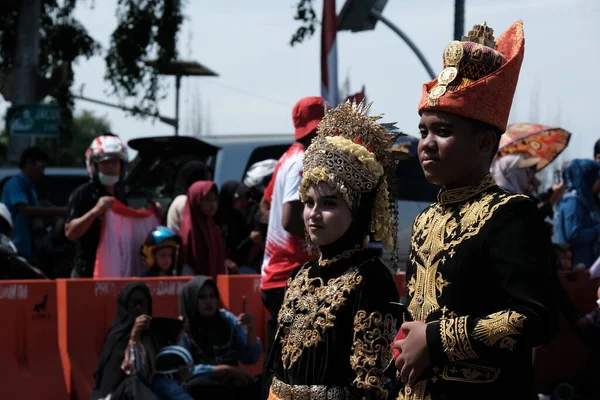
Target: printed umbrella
541, 141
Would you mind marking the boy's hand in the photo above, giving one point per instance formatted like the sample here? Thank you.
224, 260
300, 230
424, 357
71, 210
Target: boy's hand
414, 357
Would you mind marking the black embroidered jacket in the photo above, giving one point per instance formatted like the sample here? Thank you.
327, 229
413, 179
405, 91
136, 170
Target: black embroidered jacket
336, 327
480, 275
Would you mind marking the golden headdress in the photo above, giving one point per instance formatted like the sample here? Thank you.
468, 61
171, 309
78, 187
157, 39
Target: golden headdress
353, 153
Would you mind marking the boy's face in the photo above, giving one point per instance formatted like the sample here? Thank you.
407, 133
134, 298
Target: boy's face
164, 258
450, 149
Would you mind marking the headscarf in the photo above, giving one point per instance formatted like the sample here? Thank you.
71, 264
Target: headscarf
202, 245
109, 374
206, 333
579, 177
509, 175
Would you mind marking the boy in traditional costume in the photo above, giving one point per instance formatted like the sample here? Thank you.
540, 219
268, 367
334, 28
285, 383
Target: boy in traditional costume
479, 272
337, 323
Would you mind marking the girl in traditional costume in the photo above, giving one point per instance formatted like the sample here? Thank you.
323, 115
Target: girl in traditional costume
337, 322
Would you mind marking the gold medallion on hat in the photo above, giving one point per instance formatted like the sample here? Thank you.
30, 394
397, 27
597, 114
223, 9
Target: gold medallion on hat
453, 53
437, 92
447, 75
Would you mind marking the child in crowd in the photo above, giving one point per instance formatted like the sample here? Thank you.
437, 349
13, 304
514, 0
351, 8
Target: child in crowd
160, 253
174, 365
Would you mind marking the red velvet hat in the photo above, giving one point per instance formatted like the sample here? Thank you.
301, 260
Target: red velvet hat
479, 77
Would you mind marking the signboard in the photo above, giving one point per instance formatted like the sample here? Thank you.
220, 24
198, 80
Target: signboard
33, 120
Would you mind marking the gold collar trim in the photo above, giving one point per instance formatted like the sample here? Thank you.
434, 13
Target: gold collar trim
465, 193
323, 262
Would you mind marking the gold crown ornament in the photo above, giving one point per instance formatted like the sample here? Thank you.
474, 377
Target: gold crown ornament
353, 153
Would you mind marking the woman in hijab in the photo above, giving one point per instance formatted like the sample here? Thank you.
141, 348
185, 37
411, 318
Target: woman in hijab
239, 239
578, 212
218, 341
202, 247
134, 308
190, 173
516, 173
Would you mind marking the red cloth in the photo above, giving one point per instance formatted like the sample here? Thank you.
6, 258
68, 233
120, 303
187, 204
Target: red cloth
490, 98
202, 245
123, 230
396, 352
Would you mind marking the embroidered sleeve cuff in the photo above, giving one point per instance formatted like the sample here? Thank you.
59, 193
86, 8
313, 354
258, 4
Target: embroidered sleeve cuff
454, 338
434, 343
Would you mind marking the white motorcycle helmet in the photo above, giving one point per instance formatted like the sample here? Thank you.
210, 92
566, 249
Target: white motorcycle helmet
258, 172
104, 148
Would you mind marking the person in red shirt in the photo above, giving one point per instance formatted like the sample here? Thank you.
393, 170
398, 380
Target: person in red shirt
286, 247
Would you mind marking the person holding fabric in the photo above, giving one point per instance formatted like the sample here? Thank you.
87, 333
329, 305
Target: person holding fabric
189, 174
202, 245
90, 201
119, 356
218, 342
480, 275
577, 217
231, 217
337, 321
516, 173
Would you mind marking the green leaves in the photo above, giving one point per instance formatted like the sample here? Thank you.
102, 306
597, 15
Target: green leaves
305, 12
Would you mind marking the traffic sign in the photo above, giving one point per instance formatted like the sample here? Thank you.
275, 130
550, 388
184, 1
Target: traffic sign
33, 120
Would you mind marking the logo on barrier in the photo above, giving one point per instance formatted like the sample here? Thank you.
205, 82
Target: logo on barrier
39, 310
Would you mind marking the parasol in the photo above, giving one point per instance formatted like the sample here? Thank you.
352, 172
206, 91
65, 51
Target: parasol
540, 141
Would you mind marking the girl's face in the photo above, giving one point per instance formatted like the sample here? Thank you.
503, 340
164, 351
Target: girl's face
137, 303
164, 258
326, 215
209, 204
208, 302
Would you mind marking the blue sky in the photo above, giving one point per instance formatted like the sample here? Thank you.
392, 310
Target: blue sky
261, 76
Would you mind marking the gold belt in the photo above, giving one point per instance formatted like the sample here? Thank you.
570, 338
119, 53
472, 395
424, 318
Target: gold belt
283, 391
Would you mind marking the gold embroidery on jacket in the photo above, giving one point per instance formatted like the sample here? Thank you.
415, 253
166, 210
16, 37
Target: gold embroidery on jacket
499, 327
373, 335
436, 232
307, 310
470, 373
418, 392
455, 339
462, 194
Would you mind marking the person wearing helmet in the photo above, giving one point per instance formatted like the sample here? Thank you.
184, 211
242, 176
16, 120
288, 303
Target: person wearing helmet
160, 252
174, 365
106, 159
20, 197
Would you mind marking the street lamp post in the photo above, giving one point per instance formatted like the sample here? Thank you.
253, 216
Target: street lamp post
179, 69
362, 15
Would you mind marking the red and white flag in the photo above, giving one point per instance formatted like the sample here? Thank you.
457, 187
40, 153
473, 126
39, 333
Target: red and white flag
329, 78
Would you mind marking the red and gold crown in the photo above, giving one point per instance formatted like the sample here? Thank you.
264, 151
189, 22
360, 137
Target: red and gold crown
480, 76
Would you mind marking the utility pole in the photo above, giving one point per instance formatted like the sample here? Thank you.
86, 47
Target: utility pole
25, 71
459, 19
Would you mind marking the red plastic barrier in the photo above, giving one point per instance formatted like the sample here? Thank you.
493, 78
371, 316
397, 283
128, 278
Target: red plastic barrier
87, 311
232, 289
30, 362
